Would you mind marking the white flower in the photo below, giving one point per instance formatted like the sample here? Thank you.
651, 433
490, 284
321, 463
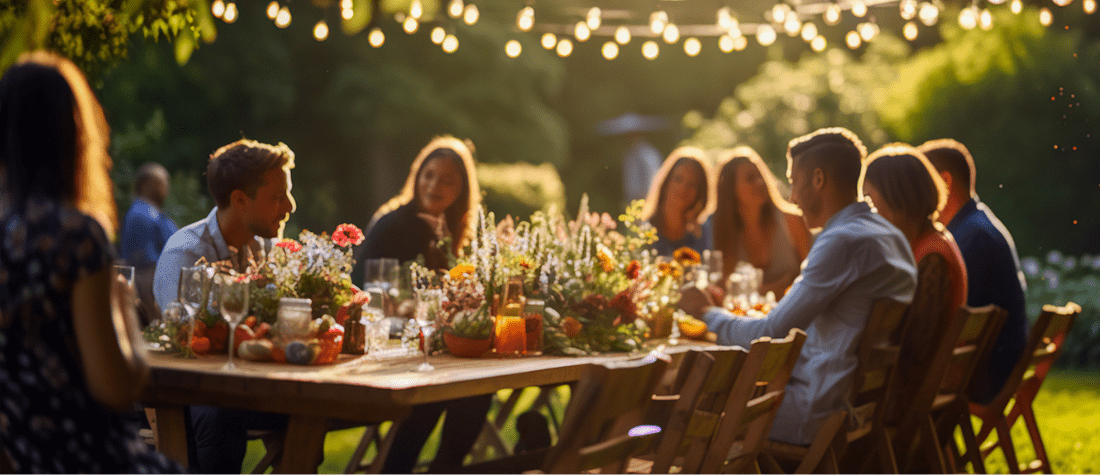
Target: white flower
1054, 257
1030, 266
1051, 278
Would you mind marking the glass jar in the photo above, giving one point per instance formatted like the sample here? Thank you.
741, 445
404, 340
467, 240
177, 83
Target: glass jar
532, 321
294, 318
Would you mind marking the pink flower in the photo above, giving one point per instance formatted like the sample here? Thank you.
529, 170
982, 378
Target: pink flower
347, 235
290, 245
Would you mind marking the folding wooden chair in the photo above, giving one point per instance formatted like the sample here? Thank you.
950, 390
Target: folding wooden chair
940, 400
1043, 347
752, 404
878, 352
600, 429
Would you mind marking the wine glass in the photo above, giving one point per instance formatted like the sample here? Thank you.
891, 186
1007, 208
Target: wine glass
192, 281
233, 304
427, 308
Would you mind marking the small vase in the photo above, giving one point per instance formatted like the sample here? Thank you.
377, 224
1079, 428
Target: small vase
466, 347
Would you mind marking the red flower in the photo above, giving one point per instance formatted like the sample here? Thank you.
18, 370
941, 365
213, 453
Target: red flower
290, 245
347, 234
633, 269
628, 310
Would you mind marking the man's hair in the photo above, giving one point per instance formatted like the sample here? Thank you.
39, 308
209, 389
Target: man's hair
146, 174
241, 166
835, 150
948, 155
907, 182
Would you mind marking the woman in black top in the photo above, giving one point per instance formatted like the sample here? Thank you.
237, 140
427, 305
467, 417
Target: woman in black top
432, 218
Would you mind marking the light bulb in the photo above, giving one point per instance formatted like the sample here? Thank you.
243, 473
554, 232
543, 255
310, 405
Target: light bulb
1089, 6
650, 50
320, 30
346, 4
792, 26
549, 40
725, 18
455, 8
217, 8
1045, 17
692, 47
740, 43
450, 44
910, 31
410, 25
610, 50
832, 14
565, 47
416, 9
779, 12
376, 37
809, 31
725, 43
908, 9
230, 13
853, 40
282, 20
1016, 6
657, 21
273, 10
1062, 3
671, 33
622, 35
985, 19
581, 31
438, 35
929, 14
470, 14
968, 18
526, 19
996, 2
818, 44
859, 9
593, 18
347, 13
512, 48
765, 35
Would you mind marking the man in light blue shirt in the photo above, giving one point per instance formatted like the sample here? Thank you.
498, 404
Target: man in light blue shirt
250, 183
145, 230
857, 258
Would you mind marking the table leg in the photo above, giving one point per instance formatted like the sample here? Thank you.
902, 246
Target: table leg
304, 446
171, 432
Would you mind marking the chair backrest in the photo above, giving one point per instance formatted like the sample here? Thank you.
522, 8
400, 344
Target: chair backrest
1044, 346
752, 403
692, 425
878, 352
609, 400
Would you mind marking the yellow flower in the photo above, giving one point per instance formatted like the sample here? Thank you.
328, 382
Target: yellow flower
686, 256
462, 271
604, 255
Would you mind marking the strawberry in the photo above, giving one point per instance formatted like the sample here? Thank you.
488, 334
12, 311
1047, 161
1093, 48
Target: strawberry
218, 334
261, 330
241, 334
250, 321
200, 345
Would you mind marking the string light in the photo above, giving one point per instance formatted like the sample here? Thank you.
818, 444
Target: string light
416, 10
929, 14
765, 35
908, 9
868, 30
910, 31
809, 31
282, 20
671, 33
526, 19
470, 14
593, 19
1016, 6
792, 26
725, 43
376, 37
968, 18
347, 13
692, 47
650, 50
549, 40
985, 19
218, 8
450, 44
410, 25
320, 30
996, 2
780, 11
1089, 6
230, 13
438, 35
512, 48
610, 50
622, 35
818, 44
740, 43
1062, 3
853, 40
657, 21
725, 18
832, 14
581, 31
455, 8
1045, 17
565, 47
272, 10
859, 8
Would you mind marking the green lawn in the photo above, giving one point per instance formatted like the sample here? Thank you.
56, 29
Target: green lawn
1068, 409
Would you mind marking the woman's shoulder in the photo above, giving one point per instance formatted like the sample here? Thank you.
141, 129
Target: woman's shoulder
398, 219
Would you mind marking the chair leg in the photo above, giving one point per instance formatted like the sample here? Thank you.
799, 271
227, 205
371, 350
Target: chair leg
886, 451
1004, 441
356, 462
823, 444
383, 449
973, 450
931, 444
1036, 441
273, 448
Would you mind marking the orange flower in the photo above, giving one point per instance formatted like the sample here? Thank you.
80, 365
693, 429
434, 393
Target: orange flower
462, 271
666, 269
633, 269
571, 326
686, 256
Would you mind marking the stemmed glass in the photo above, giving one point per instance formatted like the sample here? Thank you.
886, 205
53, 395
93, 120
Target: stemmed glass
427, 309
192, 281
233, 304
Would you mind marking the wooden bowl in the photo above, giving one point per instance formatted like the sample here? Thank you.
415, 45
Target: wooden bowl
466, 347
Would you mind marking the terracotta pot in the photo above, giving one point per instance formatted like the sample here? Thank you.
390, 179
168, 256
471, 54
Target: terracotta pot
466, 347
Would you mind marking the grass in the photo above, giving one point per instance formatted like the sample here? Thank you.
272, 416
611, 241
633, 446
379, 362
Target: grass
1068, 410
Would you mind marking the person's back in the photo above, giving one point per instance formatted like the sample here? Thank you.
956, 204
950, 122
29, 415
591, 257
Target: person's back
145, 231
992, 265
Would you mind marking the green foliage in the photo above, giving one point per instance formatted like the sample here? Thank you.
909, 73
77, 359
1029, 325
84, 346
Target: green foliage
786, 100
520, 189
95, 34
1019, 96
1058, 279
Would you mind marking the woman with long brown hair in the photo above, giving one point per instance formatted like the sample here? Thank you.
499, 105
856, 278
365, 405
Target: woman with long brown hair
754, 224
680, 202
71, 353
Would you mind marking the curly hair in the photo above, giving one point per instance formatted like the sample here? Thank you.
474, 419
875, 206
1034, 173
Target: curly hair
241, 166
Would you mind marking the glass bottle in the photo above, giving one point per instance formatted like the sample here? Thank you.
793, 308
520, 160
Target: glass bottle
532, 322
509, 329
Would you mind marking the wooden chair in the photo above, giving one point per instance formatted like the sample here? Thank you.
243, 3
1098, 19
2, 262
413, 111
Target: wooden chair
878, 351
751, 405
940, 400
1043, 347
703, 385
600, 429
491, 442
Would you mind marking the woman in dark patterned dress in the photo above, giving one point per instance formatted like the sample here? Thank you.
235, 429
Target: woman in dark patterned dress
64, 368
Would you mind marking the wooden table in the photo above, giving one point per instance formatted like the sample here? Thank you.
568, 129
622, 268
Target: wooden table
354, 389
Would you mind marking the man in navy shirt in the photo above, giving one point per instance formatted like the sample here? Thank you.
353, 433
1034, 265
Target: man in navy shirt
145, 230
992, 265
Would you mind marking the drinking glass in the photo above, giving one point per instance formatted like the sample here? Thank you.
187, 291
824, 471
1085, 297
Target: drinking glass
127, 273
383, 273
373, 315
192, 282
428, 304
712, 259
233, 304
